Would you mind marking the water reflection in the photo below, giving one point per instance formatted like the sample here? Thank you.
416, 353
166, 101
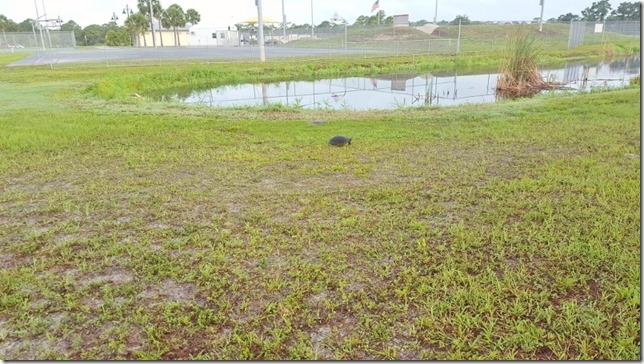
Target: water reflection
402, 89
582, 75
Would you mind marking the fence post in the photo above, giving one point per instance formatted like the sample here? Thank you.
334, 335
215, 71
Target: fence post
458, 41
569, 33
33, 29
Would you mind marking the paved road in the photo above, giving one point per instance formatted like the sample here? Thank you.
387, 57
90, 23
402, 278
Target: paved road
113, 54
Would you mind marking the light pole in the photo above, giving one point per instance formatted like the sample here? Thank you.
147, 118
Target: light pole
114, 18
436, 12
127, 12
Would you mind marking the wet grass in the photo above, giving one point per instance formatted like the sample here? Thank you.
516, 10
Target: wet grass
137, 230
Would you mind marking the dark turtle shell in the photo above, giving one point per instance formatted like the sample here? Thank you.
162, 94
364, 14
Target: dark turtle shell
340, 140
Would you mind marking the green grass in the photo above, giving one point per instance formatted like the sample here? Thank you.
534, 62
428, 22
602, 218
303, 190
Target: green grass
488, 37
475, 38
137, 230
8, 58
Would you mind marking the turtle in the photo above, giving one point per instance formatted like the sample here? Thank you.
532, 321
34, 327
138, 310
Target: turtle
340, 141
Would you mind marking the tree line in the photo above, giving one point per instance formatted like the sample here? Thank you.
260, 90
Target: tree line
602, 10
598, 11
111, 33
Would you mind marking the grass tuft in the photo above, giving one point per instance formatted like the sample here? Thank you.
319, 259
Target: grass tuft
519, 73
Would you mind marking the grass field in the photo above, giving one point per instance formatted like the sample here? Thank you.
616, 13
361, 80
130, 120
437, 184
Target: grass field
474, 38
136, 230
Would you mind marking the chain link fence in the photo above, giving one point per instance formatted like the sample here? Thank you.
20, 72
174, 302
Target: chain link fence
47, 39
367, 42
587, 32
455, 38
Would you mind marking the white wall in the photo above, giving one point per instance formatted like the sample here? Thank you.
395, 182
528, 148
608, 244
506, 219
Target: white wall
202, 36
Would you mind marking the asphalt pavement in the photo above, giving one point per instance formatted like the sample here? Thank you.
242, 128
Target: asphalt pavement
114, 54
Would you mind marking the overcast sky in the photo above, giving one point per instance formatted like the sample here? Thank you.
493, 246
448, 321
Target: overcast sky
226, 12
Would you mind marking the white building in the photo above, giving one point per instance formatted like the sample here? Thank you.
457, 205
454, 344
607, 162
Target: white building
214, 36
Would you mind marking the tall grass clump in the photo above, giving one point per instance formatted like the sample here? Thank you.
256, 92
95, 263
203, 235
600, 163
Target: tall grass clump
518, 73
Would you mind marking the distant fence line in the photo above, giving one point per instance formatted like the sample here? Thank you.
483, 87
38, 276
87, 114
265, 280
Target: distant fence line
37, 40
387, 40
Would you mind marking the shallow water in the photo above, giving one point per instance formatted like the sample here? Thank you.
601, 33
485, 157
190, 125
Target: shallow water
383, 92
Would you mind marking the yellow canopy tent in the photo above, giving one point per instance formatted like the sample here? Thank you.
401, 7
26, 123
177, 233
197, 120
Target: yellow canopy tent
253, 20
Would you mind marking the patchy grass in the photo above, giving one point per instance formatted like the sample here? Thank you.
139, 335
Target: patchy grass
138, 230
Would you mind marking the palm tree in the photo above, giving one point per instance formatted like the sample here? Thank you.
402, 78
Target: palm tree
137, 24
192, 16
157, 12
7, 25
3, 21
166, 24
175, 18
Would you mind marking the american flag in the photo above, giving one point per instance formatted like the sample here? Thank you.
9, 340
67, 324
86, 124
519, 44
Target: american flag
375, 5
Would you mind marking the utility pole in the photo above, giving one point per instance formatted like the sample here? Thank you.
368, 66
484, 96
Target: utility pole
283, 20
260, 31
154, 42
312, 23
541, 17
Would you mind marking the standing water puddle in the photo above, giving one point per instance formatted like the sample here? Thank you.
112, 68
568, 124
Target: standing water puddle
401, 90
